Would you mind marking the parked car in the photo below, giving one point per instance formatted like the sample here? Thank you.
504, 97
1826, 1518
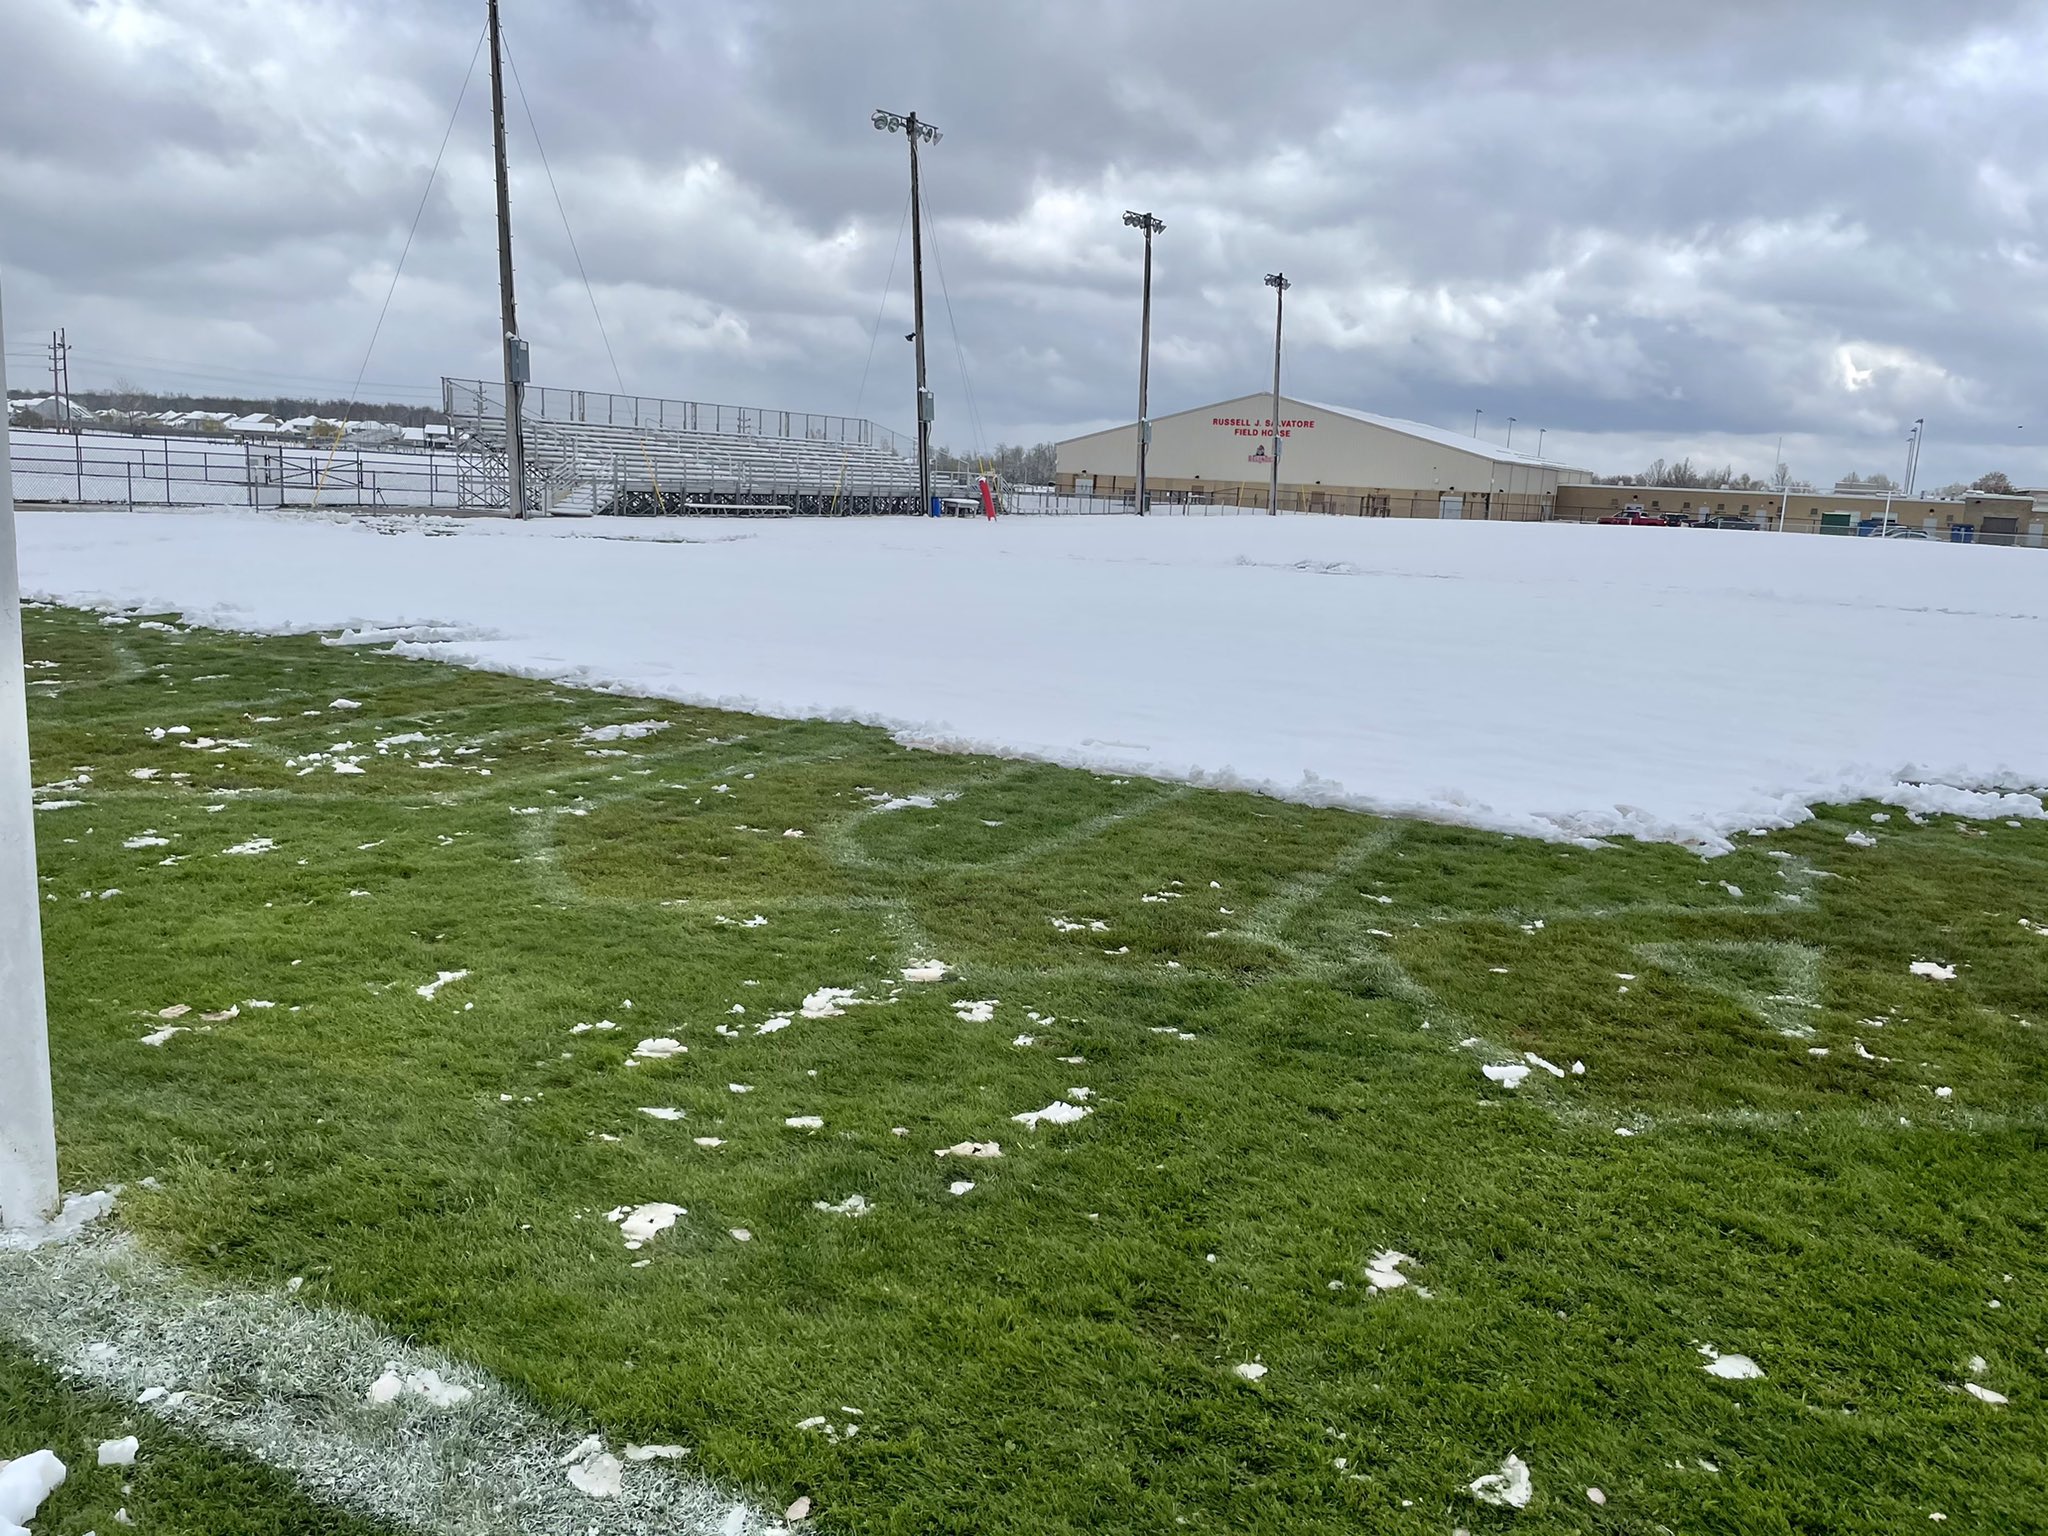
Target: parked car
1901, 531
1635, 520
1743, 524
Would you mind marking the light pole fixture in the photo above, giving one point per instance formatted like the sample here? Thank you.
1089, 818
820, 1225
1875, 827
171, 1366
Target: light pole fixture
1475, 422
1151, 226
916, 132
1277, 281
1539, 440
1511, 432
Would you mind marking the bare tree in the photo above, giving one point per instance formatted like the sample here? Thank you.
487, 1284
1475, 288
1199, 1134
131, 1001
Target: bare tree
1994, 484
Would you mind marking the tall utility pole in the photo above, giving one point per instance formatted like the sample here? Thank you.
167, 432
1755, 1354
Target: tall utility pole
28, 1133
1539, 440
1913, 453
1151, 226
60, 377
908, 125
1475, 422
516, 370
1277, 281
1511, 432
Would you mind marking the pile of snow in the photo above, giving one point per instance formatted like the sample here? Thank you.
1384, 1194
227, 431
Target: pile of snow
1544, 637
24, 1483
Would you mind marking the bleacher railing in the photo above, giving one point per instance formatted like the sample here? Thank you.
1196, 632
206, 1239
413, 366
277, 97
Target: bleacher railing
469, 399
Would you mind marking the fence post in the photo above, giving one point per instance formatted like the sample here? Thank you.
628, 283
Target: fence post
130, 467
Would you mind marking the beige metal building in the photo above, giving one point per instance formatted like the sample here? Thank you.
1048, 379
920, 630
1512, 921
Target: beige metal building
1332, 459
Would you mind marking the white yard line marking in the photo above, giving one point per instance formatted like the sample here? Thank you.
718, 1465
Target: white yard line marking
288, 1383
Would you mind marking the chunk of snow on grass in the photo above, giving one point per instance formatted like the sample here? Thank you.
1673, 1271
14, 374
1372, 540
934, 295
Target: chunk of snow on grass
959, 1186
739, 1087
1944, 1093
658, 1113
926, 970
441, 979
1509, 1075
632, 730
829, 1002
599, 1477
78, 1213
708, 1141
1058, 1112
1383, 1270
639, 1223
1730, 1367
254, 845
1510, 1488
1860, 840
978, 1012
1932, 971
805, 1123
852, 1205
1248, 1370
344, 704
147, 840
971, 1149
159, 1037
119, 1453
1537, 1061
659, 1048
637, 1453
24, 1483
1986, 1395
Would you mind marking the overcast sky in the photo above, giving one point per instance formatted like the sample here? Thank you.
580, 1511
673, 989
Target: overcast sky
1647, 229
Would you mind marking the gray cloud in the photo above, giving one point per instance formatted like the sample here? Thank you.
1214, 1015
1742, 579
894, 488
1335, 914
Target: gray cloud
1646, 229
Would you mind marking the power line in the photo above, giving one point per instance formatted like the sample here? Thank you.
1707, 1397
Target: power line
591, 293
966, 385
447, 133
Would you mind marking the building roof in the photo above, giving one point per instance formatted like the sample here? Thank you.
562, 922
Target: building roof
1443, 437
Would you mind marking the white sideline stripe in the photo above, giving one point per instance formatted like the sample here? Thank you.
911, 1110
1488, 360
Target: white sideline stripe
284, 1382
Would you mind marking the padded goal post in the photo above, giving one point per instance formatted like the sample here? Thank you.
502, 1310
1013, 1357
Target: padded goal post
28, 1135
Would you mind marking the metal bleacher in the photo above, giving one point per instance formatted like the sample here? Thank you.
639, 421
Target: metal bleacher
589, 452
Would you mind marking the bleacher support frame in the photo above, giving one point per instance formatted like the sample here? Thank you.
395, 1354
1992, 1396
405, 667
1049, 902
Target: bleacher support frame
590, 451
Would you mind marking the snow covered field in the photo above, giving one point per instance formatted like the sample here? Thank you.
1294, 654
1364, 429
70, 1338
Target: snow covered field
1559, 680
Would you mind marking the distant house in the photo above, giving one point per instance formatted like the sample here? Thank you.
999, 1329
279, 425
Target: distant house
432, 435
52, 411
256, 424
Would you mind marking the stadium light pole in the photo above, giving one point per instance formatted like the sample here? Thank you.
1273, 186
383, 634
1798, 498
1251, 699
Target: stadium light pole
28, 1127
1151, 227
1475, 422
1511, 432
908, 125
1277, 281
513, 348
1539, 440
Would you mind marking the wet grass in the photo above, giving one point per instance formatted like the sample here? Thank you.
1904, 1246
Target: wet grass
1054, 1351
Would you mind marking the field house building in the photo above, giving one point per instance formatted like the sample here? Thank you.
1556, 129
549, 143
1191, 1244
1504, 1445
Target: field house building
1332, 459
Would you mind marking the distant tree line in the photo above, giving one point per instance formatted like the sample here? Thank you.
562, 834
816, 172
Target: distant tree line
1013, 464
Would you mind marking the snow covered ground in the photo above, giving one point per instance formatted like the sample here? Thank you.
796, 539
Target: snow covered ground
1559, 680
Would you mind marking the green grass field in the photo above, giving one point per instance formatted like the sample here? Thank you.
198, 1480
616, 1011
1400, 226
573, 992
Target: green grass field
1281, 1023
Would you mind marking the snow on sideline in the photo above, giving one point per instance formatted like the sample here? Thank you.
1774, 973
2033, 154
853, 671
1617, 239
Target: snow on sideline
288, 1383
1562, 681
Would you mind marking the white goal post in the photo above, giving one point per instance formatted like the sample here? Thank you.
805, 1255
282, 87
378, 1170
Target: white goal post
28, 1133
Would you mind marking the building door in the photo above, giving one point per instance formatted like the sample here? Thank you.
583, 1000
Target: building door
2000, 530
1450, 508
